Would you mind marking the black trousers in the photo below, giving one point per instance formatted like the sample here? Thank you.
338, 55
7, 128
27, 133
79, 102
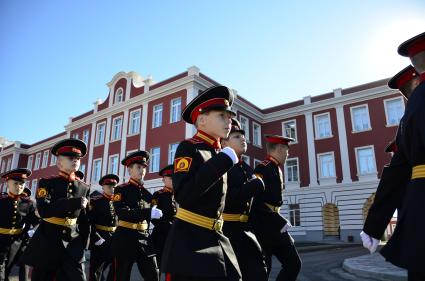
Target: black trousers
284, 250
9, 260
98, 263
69, 270
415, 276
121, 268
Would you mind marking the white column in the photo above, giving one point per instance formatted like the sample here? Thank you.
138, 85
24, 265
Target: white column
128, 89
311, 149
123, 144
144, 125
192, 92
90, 160
106, 146
343, 146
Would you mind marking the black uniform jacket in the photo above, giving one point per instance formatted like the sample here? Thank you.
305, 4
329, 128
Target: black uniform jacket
164, 200
200, 185
101, 213
132, 204
268, 223
59, 197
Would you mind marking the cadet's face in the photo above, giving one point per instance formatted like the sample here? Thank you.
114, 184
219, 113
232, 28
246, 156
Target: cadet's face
15, 187
236, 141
137, 171
418, 61
68, 164
284, 152
217, 123
168, 182
108, 189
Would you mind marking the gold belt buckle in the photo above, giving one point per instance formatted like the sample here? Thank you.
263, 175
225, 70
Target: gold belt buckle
68, 222
218, 224
139, 226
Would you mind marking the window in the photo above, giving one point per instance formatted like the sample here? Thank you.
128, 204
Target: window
33, 187
134, 122
294, 214
256, 134
290, 129
3, 166
157, 116
360, 118
53, 159
9, 164
83, 168
256, 162
29, 164
86, 135
326, 165
97, 170
113, 164
154, 161
100, 133
291, 170
75, 136
245, 126
37, 161
172, 152
119, 95
394, 109
245, 159
116, 128
175, 111
323, 126
365, 161
45, 159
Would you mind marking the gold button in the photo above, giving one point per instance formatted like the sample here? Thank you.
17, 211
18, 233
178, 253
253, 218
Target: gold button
64, 231
69, 190
70, 184
15, 207
14, 212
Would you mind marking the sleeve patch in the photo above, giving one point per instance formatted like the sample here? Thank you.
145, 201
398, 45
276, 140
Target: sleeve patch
117, 197
41, 192
182, 164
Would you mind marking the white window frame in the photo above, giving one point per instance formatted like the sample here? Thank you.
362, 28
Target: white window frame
29, 162
369, 176
76, 136
9, 164
316, 125
386, 110
94, 178
37, 161
256, 162
179, 110
246, 159
45, 160
290, 183
153, 169
121, 90
352, 108
110, 168
246, 128
255, 142
284, 131
326, 180
293, 212
130, 128
82, 168
33, 187
114, 129
102, 141
86, 136
53, 160
170, 154
154, 110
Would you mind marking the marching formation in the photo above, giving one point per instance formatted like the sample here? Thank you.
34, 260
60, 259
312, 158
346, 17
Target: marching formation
215, 219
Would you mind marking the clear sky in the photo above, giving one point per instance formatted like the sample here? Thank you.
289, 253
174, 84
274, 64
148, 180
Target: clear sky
57, 56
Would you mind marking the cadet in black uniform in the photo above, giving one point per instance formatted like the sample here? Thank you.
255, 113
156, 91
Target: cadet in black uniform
16, 219
391, 189
242, 186
56, 251
130, 242
406, 248
164, 200
103, 224
196, 248
270, 227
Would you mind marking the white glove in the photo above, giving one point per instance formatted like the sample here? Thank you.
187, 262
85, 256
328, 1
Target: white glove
31, 232
156, 213
99, 242
369, 242
285, 228
231, 153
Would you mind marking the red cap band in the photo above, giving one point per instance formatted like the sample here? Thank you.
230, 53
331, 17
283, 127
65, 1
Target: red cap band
212, 102
16, 175
277, 140
68, 149
416, 47
405, 77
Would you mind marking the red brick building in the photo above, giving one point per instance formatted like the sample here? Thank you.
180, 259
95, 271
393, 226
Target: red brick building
331, 174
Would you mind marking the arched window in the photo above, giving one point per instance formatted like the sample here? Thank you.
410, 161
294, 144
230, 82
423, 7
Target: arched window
119, 95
